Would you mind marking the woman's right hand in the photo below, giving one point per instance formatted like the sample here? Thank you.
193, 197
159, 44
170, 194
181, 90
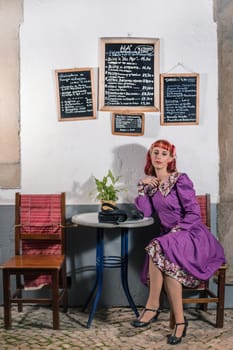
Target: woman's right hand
151, 180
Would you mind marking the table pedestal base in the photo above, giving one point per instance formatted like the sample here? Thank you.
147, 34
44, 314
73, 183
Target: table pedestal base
109, 262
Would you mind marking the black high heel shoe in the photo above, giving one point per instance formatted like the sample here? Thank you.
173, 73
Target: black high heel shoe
172, 339
138, 323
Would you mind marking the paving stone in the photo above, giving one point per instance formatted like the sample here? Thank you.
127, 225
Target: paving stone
110, 330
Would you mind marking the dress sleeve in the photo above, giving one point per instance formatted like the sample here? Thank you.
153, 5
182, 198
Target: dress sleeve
143, 203
187, 198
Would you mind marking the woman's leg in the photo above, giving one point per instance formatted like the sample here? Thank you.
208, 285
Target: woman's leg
156, 283
174, 293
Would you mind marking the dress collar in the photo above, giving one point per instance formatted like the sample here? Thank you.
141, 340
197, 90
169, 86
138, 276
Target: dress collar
166, 186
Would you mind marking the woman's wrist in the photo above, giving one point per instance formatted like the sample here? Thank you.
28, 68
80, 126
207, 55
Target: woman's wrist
140, 188
145, 189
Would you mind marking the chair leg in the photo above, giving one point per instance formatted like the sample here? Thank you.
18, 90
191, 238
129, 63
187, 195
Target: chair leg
221, 296
204, 306
64, 301
55, 295
64, 287
6, 296
19, 292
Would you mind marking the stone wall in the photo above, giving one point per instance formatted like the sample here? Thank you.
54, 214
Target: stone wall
224, 20
10, 17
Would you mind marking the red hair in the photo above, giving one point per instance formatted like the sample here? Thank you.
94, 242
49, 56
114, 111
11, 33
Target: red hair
149, 169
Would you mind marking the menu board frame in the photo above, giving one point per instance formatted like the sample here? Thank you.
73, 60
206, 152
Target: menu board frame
76, 95
190, 99
127, 129
129, 74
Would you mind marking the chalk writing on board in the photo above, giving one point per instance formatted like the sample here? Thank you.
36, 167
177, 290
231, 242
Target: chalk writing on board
75, 94
128, 124
129, 74
179, 98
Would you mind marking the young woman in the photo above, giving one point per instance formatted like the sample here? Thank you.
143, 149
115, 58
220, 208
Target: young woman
185, 253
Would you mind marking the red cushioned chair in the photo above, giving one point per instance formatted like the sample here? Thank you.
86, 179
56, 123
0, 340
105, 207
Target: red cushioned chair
39, 259
205, 294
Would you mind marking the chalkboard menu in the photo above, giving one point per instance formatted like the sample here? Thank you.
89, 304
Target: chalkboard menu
75, 94
131, 124
129, 74
179, 99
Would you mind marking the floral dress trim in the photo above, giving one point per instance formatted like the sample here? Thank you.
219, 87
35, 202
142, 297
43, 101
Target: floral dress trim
166, 266
164, 187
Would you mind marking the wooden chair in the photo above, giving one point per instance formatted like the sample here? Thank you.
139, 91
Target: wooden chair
39, 254
205, 294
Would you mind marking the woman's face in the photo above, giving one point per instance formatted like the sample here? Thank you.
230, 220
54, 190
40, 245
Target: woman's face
160, 158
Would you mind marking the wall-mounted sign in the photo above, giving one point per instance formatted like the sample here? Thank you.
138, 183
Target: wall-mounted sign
129, 124
179, 99
129, 74
75, 94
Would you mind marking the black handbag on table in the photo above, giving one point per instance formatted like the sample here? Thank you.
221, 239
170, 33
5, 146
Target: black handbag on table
110, 214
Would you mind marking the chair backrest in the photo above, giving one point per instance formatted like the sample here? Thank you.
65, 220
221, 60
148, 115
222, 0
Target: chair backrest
39, 224
204, 203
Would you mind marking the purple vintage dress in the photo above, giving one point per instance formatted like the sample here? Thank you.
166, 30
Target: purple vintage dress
186, 249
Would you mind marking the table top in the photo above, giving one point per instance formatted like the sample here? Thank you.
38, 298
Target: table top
91, 220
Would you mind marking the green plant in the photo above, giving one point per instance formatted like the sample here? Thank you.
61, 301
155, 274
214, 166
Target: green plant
107, 188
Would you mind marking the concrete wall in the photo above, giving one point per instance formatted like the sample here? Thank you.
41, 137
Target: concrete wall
65, 34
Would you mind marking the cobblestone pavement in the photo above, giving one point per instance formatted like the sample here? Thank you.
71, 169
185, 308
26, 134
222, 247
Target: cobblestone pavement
110, 329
